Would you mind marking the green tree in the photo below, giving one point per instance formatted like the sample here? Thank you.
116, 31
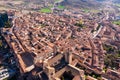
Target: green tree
0, 43
109, 60
4, 16
8, 24
62, 78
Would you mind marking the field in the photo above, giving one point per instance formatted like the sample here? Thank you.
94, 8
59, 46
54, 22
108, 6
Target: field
118, 5
61, 7
57, 0
86, 10
116, 22
46, 10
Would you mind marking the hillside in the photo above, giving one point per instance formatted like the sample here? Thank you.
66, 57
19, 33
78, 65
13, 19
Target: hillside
82, 3
38, 4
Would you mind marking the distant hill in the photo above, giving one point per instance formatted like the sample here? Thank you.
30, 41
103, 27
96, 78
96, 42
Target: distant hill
82, 3
38, 4
116, 1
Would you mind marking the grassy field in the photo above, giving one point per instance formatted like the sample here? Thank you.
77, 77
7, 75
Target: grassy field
86, 10
94, 11
116, 22
118, 5
57, 0
46, 10
61, 7
90, 10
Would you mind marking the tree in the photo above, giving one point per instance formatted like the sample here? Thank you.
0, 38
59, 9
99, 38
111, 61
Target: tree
4, 16
0, 43
8, 24
62, 78
108, 48
79, 25
1, 23
109, 60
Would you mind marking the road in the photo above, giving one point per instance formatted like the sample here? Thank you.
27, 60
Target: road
107, 7
56, 2
94, 35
